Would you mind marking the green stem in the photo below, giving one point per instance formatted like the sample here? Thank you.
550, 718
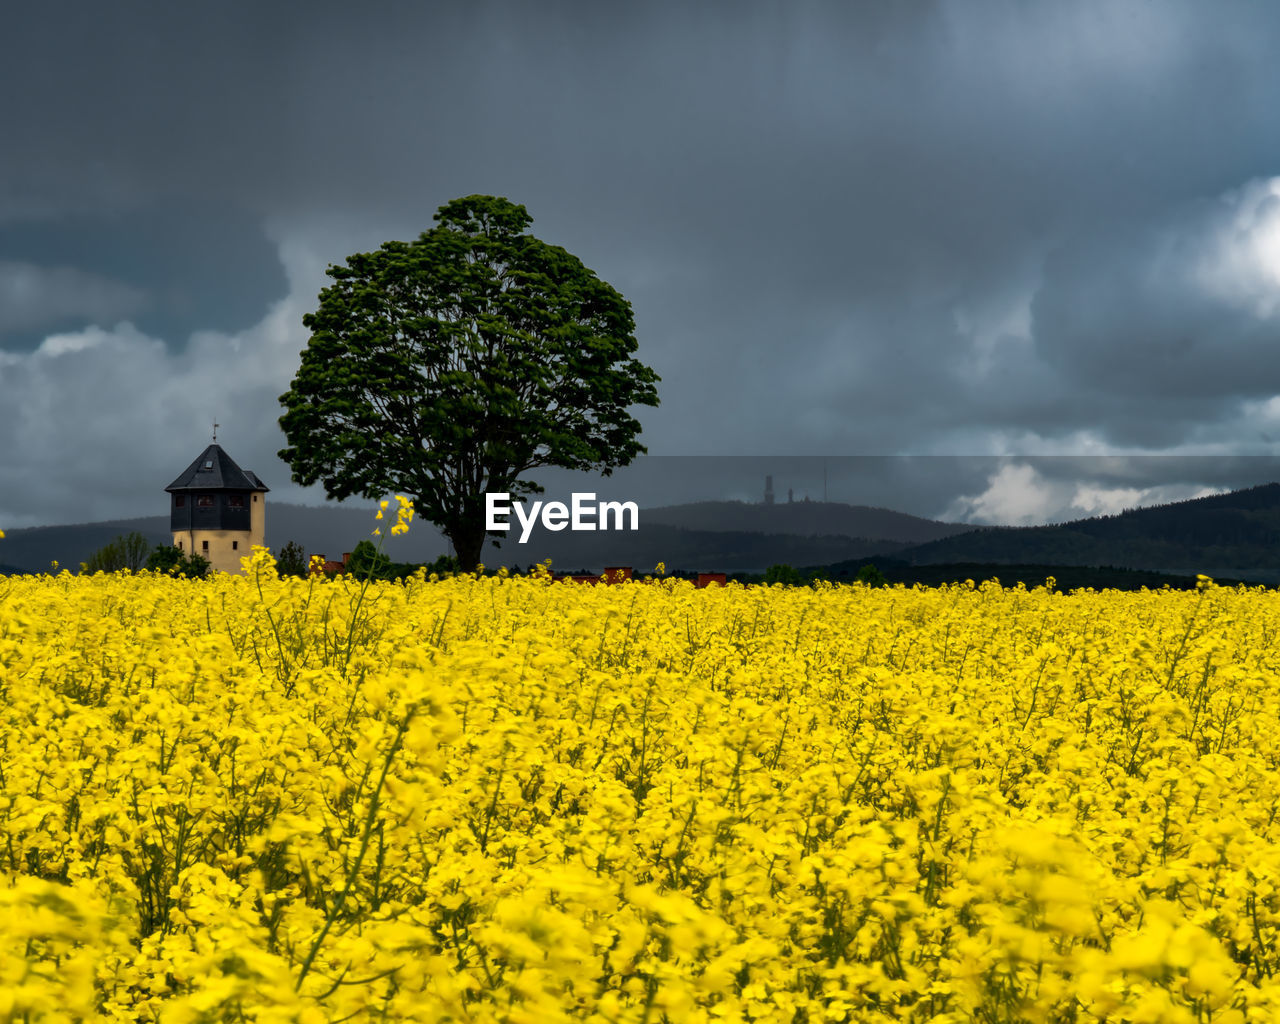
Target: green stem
354, 870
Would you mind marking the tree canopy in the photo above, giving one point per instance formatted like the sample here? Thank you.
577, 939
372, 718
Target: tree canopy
128, 551
446, 367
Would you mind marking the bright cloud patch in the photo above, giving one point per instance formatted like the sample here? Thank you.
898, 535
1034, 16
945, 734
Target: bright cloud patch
1015, 496
1020, 494
97, 421
1185, 309
1241, 264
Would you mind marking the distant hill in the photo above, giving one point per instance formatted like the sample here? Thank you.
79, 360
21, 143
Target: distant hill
695, 550
34, 549
729, 536
724, 536
1233, 535
803, 518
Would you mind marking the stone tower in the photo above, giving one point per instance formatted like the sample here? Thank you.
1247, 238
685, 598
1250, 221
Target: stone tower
217, 509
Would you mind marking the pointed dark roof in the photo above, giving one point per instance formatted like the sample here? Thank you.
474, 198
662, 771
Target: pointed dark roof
215, 470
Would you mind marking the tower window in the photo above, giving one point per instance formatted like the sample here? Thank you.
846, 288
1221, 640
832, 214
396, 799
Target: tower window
208, 463
235, 500
205, 545
179, 545
235, 545
204, 501
179, 501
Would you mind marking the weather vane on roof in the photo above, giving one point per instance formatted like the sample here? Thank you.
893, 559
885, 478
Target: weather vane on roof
216, 425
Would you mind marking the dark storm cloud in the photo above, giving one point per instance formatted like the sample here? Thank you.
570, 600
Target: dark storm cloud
1180, 317
34, 300
170, 270
904, 227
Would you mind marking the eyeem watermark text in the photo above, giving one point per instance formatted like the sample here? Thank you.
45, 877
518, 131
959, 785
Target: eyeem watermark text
582, 513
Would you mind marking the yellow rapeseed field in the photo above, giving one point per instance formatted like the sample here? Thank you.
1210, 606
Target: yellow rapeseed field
499, 799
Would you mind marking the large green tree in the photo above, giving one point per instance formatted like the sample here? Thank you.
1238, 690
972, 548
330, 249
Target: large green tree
446, 367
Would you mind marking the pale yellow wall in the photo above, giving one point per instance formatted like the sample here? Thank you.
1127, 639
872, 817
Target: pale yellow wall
222, 556
258, 518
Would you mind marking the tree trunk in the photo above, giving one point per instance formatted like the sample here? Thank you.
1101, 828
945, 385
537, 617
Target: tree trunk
468, 542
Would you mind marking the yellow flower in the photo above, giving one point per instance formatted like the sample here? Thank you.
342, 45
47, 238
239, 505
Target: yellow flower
404, 516
543, 802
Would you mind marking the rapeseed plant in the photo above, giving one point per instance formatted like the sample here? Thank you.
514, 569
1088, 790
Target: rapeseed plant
503, 799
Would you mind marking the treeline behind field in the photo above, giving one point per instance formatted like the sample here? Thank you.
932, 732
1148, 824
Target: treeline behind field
1066, 577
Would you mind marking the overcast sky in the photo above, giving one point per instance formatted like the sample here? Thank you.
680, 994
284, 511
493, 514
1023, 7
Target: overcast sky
898, 228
